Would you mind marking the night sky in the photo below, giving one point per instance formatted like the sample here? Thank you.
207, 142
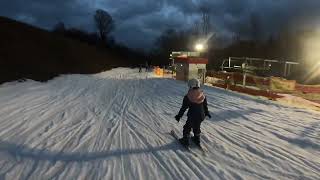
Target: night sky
139, 22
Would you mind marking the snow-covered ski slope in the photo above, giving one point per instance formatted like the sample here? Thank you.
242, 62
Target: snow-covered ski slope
116, 124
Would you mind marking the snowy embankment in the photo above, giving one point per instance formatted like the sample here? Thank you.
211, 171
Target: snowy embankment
115, 125
299, 102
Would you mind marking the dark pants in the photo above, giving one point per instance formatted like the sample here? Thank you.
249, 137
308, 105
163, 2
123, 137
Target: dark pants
191, 124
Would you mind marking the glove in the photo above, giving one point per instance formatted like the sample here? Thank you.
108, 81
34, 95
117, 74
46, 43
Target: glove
209, 116
177, 117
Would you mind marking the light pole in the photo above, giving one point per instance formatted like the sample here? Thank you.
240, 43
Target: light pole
199, 47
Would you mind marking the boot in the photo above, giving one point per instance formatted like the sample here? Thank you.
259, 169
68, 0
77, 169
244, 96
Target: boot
184, 141
196, 140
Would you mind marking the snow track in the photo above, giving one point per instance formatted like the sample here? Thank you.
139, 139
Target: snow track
116, 124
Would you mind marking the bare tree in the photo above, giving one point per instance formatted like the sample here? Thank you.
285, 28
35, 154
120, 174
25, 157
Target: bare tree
104, 23
196, 28
59, 28
205, 15
255, 25
236, 37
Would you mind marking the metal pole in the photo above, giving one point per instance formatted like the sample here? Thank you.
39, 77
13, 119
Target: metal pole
244, 79
285, 70
244, 74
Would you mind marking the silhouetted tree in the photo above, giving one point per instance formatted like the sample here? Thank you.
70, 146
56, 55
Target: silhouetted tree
255, 26
172, 40
80, 35
59, 28
205, 20
166, 40
207, 35
104, 23
196, 29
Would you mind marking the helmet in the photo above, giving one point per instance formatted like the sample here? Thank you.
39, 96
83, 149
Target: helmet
192, 83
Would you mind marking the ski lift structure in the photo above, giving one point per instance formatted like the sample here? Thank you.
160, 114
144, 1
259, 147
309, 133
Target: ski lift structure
263, 67
189, 65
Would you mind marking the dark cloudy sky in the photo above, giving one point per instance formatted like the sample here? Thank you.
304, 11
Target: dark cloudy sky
139, 22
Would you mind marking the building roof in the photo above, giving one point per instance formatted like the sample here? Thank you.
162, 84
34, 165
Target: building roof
191, 60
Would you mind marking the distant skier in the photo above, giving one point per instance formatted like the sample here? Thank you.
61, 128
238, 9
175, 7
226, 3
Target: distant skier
227, 82
147, 67
140, 68
198, 110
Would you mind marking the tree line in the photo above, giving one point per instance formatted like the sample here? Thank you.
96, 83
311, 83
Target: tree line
101, 38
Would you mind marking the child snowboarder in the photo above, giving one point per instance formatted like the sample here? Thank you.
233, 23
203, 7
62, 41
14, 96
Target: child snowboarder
198, 110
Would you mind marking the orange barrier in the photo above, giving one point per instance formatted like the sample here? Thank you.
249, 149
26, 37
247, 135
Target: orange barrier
269, 94
237, 77
158, 71
308, 88
280, 84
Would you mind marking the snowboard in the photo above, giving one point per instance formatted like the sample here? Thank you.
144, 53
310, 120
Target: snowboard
177, 138
187, 148
201, 148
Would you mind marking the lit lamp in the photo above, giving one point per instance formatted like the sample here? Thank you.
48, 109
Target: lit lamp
199, 47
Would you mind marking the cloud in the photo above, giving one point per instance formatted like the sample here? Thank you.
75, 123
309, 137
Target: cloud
46, 13
139, 22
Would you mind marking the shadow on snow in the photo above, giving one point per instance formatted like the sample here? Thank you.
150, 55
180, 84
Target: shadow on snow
24, 152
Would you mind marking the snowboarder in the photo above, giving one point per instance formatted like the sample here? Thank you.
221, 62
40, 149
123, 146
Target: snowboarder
198, 110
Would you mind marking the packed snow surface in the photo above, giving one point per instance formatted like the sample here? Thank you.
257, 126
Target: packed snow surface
116, 124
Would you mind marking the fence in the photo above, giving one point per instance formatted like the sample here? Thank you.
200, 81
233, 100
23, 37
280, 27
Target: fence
255, 85
308, 88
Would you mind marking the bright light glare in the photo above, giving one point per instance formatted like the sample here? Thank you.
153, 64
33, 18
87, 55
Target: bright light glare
202, 44
199, 47
311, 55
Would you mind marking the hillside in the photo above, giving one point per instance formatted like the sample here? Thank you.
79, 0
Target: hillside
30, 52
116, 124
